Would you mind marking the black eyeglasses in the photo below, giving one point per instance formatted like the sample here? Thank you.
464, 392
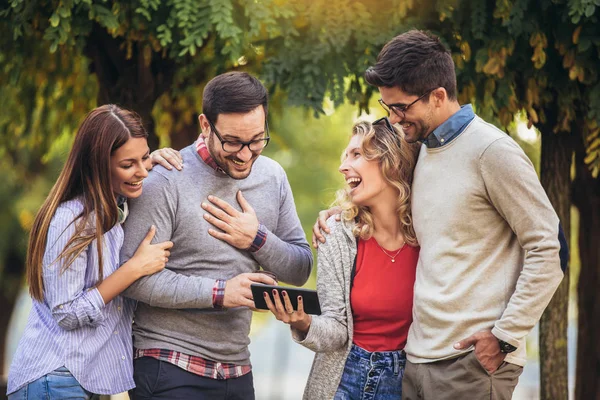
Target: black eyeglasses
385, 121
401, 109
238, 145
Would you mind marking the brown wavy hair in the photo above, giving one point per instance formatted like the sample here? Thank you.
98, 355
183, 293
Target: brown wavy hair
87, 175
396, 159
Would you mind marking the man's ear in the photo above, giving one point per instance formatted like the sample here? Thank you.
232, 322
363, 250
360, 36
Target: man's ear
204, 125
440, 97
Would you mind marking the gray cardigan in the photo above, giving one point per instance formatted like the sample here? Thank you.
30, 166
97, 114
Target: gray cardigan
330, 334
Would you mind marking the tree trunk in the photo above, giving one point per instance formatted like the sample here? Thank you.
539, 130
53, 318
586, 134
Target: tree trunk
586, 197
135, 82
555, 177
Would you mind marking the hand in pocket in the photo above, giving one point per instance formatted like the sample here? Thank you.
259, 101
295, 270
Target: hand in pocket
487, 350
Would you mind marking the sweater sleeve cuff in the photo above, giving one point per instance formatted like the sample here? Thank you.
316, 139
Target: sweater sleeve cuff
259, 240
310, 339
218, 293
297, 336
500, 334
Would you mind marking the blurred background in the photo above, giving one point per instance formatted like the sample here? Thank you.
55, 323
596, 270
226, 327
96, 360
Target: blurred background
531, 68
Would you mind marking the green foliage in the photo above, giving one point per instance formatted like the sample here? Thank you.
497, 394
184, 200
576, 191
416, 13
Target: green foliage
582, 9
541, 57
42, 97
305, 48
333, 39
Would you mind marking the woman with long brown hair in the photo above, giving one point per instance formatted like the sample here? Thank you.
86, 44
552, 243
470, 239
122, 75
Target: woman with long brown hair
77, 342
365, 274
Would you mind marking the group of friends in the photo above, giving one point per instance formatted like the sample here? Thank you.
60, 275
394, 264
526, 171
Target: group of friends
437, 259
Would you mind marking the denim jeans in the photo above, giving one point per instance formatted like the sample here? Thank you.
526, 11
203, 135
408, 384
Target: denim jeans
372, 376
58, 384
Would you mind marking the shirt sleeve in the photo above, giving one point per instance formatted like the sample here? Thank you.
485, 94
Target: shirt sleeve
328, 331
166, 289
286, 251
72, 304
259, 239
515, 191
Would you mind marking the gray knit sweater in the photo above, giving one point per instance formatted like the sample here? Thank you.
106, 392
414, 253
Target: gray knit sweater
175, 311
330, 334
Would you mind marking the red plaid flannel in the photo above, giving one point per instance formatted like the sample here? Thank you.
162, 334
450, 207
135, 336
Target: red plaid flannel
218, 293
196, 365
205, 155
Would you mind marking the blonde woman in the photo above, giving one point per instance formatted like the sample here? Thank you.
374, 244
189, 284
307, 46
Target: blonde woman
365, 274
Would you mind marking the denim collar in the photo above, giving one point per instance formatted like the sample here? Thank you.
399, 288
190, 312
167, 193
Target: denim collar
451, 128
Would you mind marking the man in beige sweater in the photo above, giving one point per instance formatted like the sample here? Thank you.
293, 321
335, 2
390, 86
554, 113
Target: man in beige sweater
490, 239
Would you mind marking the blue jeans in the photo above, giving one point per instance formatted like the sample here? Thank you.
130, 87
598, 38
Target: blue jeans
58, 384
372, 376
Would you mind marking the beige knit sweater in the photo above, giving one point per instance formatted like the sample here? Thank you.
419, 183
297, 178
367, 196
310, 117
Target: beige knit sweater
489, 244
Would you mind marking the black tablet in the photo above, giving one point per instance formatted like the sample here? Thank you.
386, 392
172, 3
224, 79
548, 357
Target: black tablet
310, 299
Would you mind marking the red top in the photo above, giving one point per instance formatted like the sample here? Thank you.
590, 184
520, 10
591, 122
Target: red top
382, 296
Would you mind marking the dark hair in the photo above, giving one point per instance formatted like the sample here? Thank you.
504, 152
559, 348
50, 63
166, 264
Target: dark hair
87, 174
415, 62
233, 93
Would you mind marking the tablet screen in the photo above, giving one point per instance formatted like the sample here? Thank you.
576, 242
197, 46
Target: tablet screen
310, 299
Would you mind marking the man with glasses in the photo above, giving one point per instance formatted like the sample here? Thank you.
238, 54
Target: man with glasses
492, 251
228, 212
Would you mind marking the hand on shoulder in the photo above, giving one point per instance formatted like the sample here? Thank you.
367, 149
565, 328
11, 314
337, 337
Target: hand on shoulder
323, 224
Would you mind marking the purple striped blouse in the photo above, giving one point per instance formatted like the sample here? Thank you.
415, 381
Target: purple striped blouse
73, 327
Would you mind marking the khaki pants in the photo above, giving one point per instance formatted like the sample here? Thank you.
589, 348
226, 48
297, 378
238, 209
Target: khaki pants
461, 378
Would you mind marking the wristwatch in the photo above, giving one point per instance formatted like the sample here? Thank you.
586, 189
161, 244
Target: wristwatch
506, 347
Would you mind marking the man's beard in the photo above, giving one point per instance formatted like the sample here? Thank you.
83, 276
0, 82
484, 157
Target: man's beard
223, 165
421, 129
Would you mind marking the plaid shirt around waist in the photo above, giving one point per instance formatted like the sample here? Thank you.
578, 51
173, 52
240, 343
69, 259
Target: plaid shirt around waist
195, 365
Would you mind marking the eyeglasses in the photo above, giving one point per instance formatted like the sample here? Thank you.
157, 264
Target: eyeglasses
385, 121
401, 109
238, 145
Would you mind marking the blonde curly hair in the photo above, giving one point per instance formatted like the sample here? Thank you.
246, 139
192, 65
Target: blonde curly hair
397, 160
